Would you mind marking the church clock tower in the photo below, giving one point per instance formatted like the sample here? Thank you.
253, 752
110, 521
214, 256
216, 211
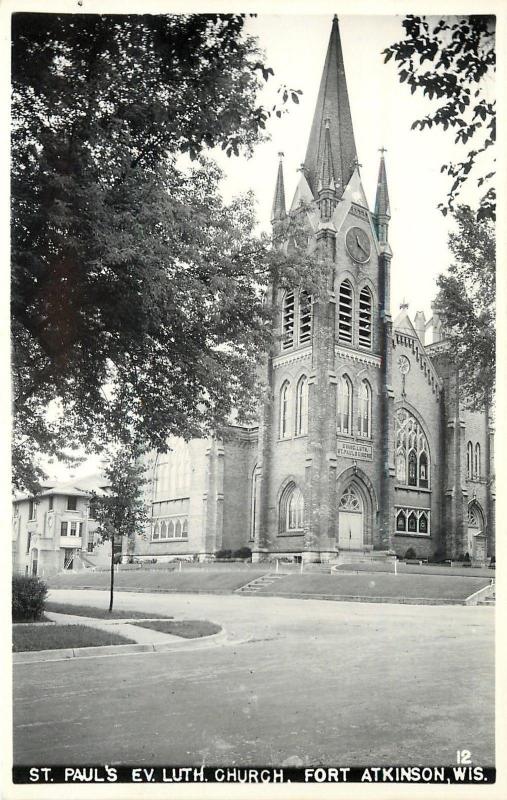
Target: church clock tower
325, 444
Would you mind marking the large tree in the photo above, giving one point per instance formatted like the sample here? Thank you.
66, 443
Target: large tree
452, 60
137, 300
467, 301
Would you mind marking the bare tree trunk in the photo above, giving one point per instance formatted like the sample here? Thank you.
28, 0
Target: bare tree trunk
112, 575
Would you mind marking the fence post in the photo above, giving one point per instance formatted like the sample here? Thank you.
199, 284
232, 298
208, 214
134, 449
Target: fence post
301, 570
276, 570
179, 568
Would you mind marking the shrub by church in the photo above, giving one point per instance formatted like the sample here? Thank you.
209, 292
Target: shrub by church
364, 441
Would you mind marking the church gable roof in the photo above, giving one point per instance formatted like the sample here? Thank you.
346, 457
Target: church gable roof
332, 105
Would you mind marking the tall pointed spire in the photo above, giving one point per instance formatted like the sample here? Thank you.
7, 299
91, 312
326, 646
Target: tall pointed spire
332, 104
278, 211
382, 207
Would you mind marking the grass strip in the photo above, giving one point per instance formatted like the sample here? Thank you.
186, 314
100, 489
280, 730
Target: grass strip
101, 613
51, 637
187, 628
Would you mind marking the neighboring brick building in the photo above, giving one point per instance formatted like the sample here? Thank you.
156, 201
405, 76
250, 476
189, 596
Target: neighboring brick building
54, 530
364, 441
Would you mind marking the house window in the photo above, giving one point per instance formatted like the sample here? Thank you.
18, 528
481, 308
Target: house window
302, 406
345, 313
28, 541
412, 452
305, 317
91, 542
364, 411
292, 509
477, 462
71, 503
365, 316
469, 460
64, 528
74, 529
344, 414
50, 502
285, 411
288, 309
32, 507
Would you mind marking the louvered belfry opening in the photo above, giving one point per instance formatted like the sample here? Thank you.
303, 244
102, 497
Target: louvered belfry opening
288, 321
345, 313
365, 305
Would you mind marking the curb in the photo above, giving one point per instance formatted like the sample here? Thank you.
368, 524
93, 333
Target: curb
35, 656
419, 601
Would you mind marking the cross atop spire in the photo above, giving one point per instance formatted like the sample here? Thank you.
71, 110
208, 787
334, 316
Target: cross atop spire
332, 104
279, 212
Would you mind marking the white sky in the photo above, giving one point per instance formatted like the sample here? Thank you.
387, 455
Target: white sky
383, 111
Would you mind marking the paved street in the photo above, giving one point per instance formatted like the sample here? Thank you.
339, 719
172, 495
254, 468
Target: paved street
300, 682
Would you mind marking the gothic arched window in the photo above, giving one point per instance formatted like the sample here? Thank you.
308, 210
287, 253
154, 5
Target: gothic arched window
412, 458
302, 406
412, 468
364, 410
344, 411
401, 521
285, 410
345, 317
477, 462
423, 522
292, 509
412, 522
253, 502
469, 459
171, 476
288, 308
365, 317
305, 317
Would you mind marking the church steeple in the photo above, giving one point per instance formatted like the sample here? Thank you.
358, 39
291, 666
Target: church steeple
278, 211
332, 105
382, 208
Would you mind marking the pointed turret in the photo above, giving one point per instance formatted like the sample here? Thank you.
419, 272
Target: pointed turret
382, 207
336, 142
278, 211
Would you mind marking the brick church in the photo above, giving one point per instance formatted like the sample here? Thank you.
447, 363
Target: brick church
364, 442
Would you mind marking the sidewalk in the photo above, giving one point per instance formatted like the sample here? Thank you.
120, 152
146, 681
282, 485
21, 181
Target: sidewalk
121, 626
144, 640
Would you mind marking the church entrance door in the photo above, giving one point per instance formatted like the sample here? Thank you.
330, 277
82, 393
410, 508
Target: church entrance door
350, 520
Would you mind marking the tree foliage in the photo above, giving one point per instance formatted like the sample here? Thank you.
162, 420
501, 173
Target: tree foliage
137, 299
120, 511
467, 302
452, 60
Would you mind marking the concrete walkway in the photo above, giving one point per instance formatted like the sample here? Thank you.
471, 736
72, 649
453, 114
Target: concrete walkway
121, 626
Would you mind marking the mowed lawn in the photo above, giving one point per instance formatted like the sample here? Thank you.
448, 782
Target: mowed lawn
191, 580
378, 585
54, 637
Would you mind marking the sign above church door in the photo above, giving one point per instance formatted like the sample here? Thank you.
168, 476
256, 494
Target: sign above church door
355, 450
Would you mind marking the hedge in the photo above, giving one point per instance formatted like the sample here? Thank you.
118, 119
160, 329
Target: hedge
28, 598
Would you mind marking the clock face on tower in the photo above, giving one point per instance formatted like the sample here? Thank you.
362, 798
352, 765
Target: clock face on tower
358, 244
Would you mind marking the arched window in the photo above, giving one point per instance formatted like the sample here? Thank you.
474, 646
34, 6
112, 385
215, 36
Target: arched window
345, 318
469, 459
423, 522
477, 462
185, 528
302, 406
156, 531
365, 316
412, 522
413, 466
305, 317
364, 411
285, 410
344, 411
288, 307
292, 509
423, 470
401, 521
171, 477
170, 532
163, 530
350, 501
177, 533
